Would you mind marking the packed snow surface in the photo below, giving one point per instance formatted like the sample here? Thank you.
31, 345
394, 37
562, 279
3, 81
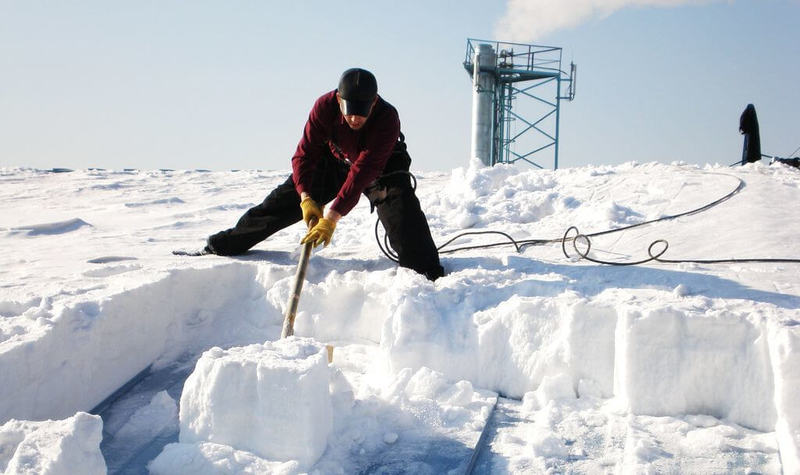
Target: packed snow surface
554, 364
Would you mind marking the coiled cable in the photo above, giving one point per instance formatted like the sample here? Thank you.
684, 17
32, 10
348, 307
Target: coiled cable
653, 250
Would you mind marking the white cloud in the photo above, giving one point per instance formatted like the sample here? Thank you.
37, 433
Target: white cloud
530, 20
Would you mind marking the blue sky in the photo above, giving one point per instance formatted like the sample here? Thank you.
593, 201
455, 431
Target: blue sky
228, 85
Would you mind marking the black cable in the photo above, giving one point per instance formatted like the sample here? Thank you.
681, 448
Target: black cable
657, 256
728, 196
387, 250
472, 233
653, 256
585, 254
386, 247
520, 245
401, 172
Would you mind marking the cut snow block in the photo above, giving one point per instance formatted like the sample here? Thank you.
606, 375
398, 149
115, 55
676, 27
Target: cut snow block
671, 362
62, 447
272, 400
785, 351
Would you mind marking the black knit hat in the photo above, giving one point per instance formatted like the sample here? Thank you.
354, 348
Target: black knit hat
358, 89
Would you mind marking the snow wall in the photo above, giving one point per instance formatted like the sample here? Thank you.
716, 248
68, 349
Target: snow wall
658, 353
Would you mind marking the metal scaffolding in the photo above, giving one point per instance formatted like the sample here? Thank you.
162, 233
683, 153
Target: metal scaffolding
513, 82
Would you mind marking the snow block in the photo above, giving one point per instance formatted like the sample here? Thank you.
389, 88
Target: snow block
785, 346
671, 362
62, 447
510, 347
272, 400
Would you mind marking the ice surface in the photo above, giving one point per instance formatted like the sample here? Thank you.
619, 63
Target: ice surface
208, 458
149, 421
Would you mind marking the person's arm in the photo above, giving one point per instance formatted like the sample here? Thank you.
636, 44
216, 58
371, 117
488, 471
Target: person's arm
312, 143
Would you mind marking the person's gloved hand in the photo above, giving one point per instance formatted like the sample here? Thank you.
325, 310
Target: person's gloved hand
311, 210
320, 233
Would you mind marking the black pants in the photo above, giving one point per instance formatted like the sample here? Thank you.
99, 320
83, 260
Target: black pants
398, 210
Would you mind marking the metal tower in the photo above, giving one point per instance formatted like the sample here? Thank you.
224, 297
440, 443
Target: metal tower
507, 85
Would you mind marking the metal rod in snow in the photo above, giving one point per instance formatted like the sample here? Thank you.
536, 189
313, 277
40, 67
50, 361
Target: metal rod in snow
294, 298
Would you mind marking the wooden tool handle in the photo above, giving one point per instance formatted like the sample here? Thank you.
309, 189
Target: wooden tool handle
299, 278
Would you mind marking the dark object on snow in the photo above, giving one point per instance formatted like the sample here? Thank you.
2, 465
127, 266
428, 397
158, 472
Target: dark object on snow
792, 162
748, 126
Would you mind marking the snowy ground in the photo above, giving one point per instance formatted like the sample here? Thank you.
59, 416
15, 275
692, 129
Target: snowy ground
577, 367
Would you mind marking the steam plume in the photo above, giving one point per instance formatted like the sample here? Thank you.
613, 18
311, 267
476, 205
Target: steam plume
530, 20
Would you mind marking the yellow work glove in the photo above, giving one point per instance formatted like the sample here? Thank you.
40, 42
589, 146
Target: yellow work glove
311, 210
320, 233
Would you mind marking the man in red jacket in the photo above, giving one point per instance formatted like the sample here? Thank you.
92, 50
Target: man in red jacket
351, 145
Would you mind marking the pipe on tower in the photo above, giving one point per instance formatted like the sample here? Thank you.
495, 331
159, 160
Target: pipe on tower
483, 92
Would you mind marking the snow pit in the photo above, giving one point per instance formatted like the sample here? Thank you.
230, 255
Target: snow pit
83, 350
53, 447
270, 399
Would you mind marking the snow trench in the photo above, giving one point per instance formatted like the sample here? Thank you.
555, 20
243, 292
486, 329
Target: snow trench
652, 352
87, 348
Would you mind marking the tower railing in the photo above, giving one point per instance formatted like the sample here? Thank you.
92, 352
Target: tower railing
512, 64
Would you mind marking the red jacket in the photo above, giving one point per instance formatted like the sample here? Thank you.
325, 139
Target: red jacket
367, 149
